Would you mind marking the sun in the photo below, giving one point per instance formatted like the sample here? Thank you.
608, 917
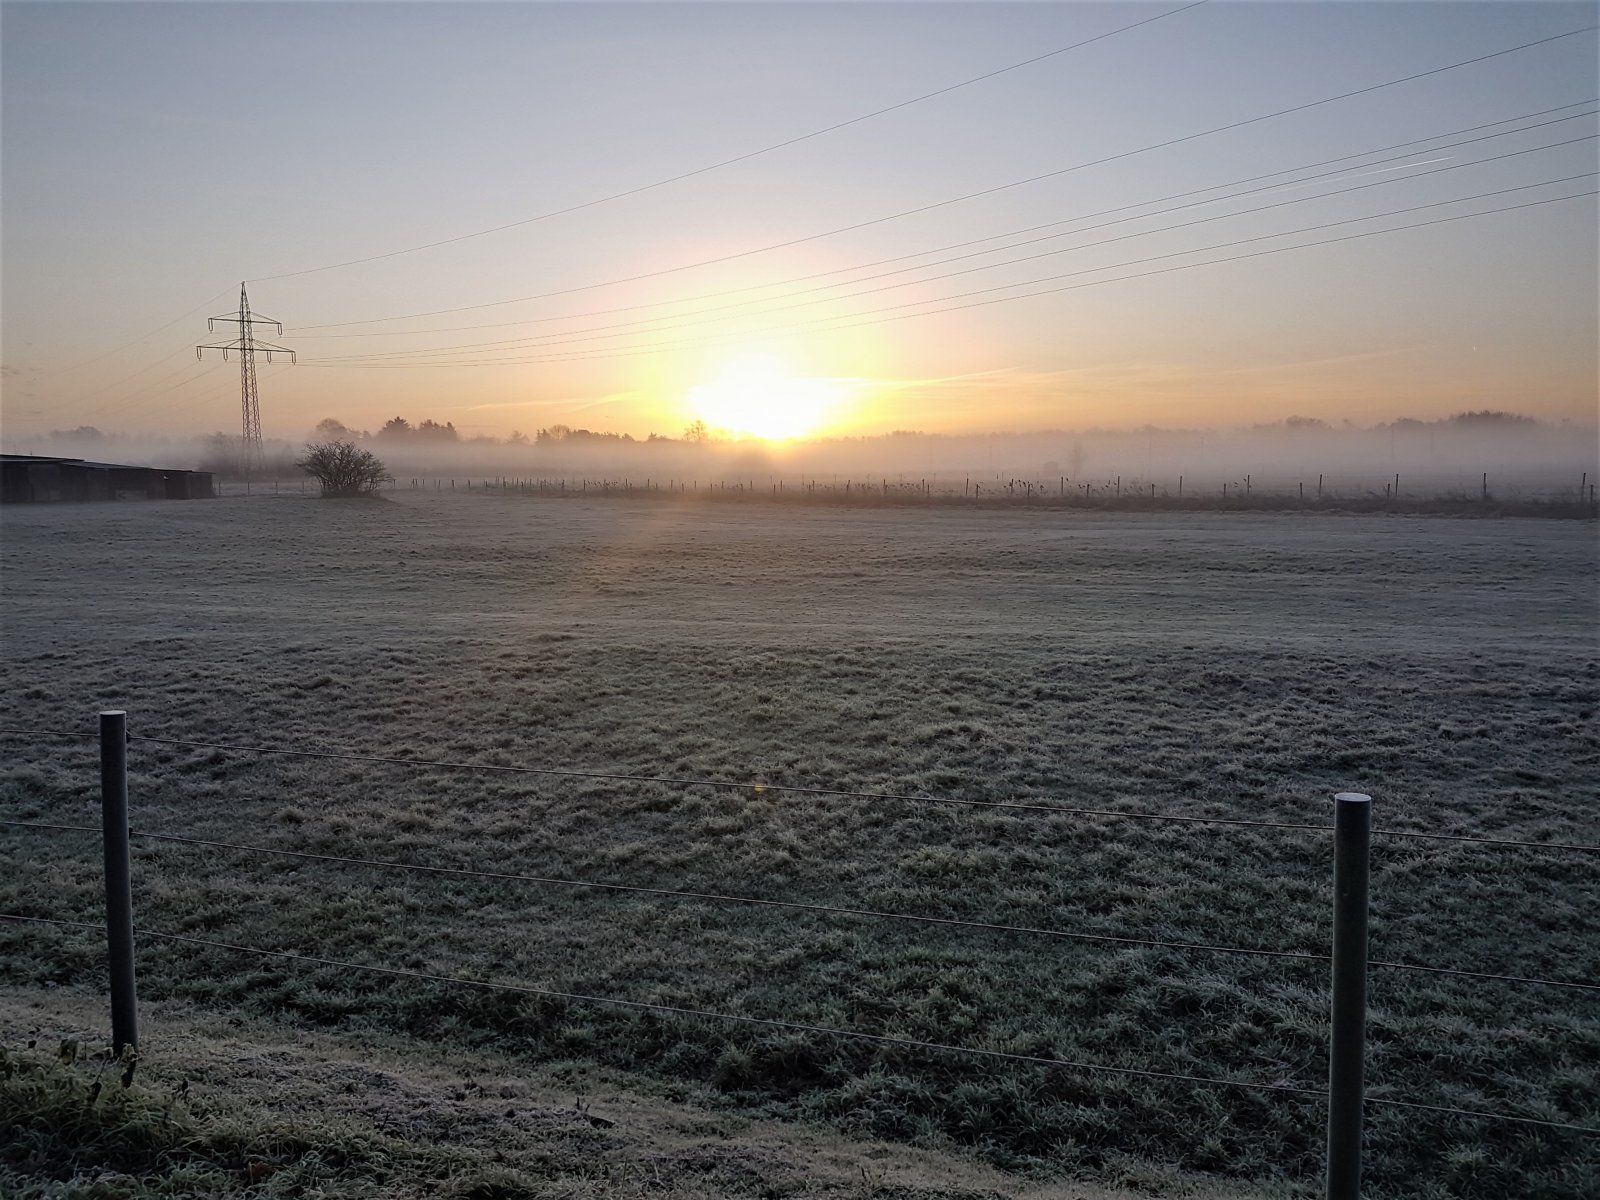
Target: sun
755, 396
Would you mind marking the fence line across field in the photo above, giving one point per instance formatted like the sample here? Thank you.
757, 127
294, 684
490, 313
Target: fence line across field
805, 906
1180, 490
1056, 491
800, 789
1349, 960
826, 1030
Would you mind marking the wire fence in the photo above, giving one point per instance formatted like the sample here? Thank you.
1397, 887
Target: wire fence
758, 786
802, 1027
116, 832
801, 906
1537, 493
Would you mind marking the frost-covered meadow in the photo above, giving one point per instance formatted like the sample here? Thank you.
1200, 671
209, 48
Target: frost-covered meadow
1201, 664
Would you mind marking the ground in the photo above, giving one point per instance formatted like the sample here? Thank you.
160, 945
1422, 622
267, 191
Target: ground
248, 1102
1202, 664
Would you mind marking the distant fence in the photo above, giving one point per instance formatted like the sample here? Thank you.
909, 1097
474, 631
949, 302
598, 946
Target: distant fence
1322, 487
1347, 957
1399, 491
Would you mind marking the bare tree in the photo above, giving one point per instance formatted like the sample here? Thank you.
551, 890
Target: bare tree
344, 469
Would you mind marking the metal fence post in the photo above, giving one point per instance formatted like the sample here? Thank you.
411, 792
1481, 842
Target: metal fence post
1352, 836
119, 888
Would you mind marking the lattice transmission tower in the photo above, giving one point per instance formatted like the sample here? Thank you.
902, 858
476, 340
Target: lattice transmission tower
248, 346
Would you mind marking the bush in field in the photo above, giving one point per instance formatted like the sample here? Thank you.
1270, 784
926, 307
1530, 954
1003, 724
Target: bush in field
344, 469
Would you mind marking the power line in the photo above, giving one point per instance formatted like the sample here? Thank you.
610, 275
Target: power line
802, 1027
117, 404
204, 375
765, 307
1346, 158
1254, 254
877, 319
112, 405
117, 385
633, 191
1283, 112
756, 786
189, 377
202, 306
188, 403
804, 906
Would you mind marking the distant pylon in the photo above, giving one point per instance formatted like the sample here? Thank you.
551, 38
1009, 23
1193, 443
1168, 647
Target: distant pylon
248, 346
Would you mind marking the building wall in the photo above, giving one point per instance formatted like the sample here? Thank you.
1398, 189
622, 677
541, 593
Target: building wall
24, 482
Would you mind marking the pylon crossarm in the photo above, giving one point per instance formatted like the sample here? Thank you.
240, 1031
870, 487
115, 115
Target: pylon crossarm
251, 320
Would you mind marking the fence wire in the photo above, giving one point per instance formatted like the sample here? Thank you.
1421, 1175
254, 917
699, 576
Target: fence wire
759, 786
807, 906
803, 1027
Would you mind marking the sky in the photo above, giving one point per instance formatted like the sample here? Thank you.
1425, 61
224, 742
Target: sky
152, 156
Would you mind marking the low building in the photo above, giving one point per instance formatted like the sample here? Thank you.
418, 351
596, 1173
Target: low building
36, 479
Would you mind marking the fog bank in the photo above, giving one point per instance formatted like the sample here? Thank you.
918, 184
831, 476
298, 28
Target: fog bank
1446, 455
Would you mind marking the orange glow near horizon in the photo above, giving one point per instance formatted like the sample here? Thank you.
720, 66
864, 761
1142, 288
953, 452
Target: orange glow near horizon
755, 395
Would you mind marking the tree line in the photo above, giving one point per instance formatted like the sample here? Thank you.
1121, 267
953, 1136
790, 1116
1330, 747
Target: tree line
400, 430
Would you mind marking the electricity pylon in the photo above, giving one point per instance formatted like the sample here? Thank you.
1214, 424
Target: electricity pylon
248, 346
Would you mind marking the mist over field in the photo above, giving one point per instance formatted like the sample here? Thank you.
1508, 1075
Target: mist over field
1444, 456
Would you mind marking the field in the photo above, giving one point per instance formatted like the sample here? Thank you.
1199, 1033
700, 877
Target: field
1245, 664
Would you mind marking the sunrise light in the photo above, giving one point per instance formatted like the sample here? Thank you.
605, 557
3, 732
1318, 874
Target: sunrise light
756, 396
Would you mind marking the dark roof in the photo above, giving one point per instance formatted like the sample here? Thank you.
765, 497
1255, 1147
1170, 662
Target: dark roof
85, 464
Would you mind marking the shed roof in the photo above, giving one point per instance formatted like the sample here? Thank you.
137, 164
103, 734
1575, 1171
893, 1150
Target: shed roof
85, 464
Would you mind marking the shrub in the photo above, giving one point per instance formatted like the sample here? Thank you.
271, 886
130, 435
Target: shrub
344, 469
